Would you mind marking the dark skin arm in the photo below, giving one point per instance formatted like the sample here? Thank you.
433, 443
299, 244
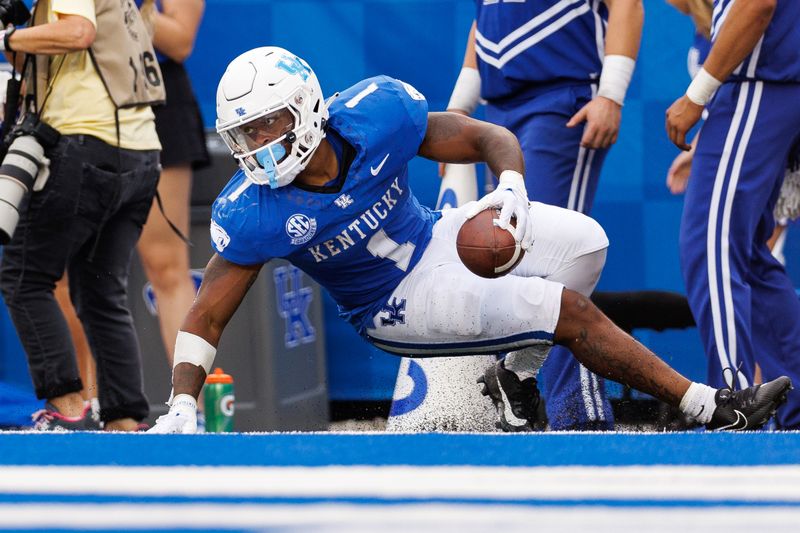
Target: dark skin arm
225, 285
455, 138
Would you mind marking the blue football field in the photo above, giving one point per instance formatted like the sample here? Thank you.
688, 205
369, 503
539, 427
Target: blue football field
401, 482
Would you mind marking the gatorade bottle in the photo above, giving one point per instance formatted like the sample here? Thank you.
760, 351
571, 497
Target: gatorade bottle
218, 392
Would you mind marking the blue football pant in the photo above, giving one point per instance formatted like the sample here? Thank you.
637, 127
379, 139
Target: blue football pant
745, 305
558, 171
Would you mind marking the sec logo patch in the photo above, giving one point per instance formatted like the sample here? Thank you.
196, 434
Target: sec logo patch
301, 228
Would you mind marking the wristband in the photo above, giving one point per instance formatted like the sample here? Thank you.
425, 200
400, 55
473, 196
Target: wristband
190, 348
702, 88
5, 38
467, 91
615, 77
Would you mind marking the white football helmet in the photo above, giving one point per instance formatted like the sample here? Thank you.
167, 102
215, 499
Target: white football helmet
271, 114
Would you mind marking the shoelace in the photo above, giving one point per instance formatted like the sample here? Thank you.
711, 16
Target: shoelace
733, 375
725, 399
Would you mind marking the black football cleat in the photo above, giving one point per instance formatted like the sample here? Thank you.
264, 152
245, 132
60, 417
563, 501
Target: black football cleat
749, 408
516, 401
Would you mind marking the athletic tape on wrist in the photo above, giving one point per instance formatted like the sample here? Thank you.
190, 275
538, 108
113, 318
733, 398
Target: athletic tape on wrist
190, 348
702, 88
467, 91
615, 77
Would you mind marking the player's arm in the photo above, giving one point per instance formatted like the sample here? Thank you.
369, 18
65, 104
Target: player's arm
454, 138
603, 114
467, 90
224, 286
743, 28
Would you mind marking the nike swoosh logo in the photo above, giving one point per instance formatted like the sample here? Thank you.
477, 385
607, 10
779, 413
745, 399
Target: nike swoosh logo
377, 169
741, 422
511, 418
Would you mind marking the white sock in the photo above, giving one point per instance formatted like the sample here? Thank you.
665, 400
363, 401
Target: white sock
525, 363
699, 402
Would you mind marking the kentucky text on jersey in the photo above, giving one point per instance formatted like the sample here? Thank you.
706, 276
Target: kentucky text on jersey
358, 236
370, 217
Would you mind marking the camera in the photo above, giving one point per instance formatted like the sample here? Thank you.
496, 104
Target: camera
14, 12
25, 157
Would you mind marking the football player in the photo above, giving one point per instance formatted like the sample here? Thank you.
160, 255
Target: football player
325, 186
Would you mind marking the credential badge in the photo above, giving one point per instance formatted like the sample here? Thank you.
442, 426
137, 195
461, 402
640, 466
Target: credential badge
301, 228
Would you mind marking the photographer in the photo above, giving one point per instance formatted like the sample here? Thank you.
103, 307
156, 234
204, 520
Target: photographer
91, 76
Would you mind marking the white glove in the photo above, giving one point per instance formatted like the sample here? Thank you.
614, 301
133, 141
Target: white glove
511, 198
181, 418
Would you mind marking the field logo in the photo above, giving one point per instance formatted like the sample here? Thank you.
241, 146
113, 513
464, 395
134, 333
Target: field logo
416, 396
294, 301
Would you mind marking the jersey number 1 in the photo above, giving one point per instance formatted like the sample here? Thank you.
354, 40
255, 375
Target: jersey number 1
381, 245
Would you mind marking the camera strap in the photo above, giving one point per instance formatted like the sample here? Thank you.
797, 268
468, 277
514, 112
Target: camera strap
11, 105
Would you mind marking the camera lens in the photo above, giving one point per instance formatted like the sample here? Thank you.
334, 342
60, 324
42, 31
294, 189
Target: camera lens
17, 174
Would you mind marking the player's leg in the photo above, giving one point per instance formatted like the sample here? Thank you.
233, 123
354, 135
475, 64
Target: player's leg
440, 308
446, 310
610, 352
562, 173
740, 156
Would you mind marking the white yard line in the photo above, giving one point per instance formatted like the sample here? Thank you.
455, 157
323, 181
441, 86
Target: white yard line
417, 517
637, 483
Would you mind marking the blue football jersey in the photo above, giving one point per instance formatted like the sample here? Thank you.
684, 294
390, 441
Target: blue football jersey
776, 57
532, 45
358, 238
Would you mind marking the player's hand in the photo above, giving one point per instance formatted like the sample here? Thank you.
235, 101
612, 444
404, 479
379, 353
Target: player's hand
181, 418
602, 117
682, 115
511, 198
460, 112
678, 173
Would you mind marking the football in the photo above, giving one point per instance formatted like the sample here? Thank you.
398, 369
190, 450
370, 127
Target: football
485, 249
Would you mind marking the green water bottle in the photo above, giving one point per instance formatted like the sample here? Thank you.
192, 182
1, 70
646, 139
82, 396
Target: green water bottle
219, 402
